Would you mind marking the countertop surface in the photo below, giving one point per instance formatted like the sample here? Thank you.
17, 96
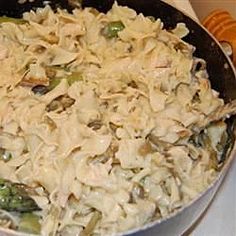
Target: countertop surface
220, 218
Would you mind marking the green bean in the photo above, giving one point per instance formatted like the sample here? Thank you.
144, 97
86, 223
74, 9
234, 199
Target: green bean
4, 19
74, 77
111, 30
53, 83
14, 197
29, 223
91, 224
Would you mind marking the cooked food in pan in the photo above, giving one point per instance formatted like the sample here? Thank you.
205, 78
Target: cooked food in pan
107, 122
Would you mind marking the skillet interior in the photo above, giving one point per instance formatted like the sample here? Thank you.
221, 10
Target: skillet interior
219, 67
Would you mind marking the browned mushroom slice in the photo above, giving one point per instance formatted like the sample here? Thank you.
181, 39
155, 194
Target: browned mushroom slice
32, 82
133, 84
95, 124
51, 71
145, 149
60, 103
137, 192
113, 127
52, 38
51, 124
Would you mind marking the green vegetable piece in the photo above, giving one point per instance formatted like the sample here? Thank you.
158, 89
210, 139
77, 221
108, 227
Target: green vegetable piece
4, 19
229, 142
74, 77
53, 83
112, 29
29, 223
88, 230
14, 197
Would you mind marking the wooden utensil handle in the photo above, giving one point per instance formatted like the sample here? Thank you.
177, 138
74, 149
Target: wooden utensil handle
223, 26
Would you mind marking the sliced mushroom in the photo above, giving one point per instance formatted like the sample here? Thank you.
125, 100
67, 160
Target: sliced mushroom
60, 103
51, 71
193, 153
133, 84
113, 126
145, 149
31, 81
137, 192
52, 125
95, 125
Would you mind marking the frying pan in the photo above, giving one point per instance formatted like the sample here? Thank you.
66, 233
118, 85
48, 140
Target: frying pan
221, 74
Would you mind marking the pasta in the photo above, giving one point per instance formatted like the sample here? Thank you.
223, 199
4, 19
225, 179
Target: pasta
108, 126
